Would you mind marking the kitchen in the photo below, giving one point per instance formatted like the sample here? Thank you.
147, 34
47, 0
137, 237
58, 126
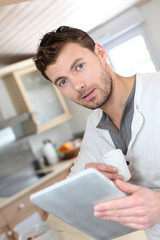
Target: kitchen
66, 129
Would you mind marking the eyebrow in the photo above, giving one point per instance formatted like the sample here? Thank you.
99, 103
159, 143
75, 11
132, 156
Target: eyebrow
75, 62
72, 66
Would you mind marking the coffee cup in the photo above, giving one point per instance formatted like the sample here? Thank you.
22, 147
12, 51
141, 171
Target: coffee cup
117, 159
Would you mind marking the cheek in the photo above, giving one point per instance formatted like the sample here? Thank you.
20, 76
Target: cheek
93, 74
68, 92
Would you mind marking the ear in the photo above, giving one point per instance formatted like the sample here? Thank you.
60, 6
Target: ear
100, 52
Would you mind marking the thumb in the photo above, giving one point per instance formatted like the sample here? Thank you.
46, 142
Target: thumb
126, 187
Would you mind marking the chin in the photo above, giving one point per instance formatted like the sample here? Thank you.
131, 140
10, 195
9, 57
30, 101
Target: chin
92, 106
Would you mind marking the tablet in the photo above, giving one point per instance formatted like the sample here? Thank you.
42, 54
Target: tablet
73, 199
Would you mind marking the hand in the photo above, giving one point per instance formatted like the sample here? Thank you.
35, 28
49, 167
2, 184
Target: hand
140, 210
107, 170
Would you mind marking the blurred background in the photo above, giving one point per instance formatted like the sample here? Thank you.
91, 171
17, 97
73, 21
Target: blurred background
38, 125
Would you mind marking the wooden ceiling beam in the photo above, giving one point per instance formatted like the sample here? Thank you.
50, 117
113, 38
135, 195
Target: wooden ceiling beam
9, 2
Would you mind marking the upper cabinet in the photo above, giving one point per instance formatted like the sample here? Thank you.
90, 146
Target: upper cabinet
30, 92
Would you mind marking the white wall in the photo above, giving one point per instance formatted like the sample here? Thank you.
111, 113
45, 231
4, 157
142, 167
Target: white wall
151, 14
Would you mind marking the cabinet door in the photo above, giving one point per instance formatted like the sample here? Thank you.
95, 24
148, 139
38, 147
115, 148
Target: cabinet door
21, 208
39, 97
2, 221
5, 232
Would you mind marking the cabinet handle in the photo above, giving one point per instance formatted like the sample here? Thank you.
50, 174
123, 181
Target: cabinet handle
21, 205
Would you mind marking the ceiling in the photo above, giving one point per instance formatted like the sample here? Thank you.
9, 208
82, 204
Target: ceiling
24, 22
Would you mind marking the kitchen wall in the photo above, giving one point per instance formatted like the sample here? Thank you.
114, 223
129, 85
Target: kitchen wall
64, 132
150, 13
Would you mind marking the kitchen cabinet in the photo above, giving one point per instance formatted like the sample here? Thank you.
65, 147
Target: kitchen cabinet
3, 228
18, 210
31, 93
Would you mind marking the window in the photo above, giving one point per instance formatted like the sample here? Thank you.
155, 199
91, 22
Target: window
131, 53
6, 136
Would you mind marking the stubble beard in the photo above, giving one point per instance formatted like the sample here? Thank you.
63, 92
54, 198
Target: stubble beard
103, 92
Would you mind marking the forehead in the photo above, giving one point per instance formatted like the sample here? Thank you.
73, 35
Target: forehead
72, 51
67, 55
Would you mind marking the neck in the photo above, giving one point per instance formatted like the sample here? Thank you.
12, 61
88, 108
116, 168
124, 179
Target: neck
121, 89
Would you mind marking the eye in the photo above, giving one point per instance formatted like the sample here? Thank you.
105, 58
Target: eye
63, 82
80, 66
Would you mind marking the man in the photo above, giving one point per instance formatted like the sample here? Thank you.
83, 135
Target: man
126, 116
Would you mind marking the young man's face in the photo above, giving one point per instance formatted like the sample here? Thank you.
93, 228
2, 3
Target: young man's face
81, 75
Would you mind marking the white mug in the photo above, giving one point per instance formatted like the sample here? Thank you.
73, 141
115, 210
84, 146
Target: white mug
117, 159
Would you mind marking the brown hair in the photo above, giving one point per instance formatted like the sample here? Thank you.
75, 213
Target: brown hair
52, 43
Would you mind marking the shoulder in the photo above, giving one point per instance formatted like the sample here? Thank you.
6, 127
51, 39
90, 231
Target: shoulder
95, 117
147, 82
148, 77
147, 89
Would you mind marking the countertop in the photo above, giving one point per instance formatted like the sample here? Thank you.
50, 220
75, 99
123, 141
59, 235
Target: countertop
55, 170
64, 231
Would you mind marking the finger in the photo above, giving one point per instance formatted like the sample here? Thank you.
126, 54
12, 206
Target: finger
127, 187
102, 167
112, 177
107, 170
135, 226
126, 202
126, 212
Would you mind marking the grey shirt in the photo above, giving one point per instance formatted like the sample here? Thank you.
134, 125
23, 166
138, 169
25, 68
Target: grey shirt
121, 137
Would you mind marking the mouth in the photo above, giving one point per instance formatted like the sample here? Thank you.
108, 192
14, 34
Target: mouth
89, 95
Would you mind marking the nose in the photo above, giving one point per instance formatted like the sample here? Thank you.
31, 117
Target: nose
79, 85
